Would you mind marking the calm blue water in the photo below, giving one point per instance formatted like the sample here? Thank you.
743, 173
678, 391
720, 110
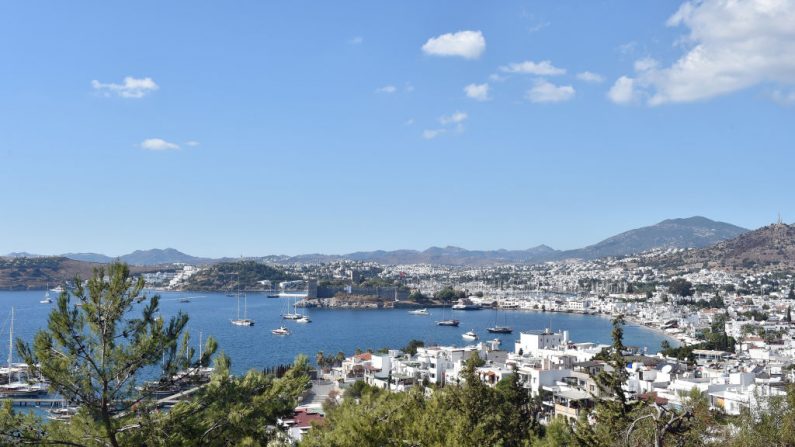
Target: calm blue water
331, 331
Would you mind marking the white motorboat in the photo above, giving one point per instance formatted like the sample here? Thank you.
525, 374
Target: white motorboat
469, 335
303, 319
419, 312
281, 331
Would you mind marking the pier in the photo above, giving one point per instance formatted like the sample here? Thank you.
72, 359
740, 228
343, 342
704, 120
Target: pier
50, 402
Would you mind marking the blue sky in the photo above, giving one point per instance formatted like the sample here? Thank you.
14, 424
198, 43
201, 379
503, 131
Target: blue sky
252, 128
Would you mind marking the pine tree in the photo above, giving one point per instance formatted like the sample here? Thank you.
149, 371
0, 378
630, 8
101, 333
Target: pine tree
92, 354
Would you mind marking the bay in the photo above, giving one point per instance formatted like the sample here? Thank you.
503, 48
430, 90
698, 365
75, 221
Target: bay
331, 330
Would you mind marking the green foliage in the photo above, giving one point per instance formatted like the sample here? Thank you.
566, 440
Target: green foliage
774, 425
680, 287
359, 389
92, 354
230, 276
471, 414
754, 314
230, 410
448, 294
417, 296
412, 345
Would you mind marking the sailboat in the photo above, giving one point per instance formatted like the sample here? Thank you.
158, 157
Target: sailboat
294, 315
450, 322
19, 388
245, 321
46, 299
497, 329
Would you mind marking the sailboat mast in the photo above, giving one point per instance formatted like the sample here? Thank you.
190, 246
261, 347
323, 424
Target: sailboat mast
10, 343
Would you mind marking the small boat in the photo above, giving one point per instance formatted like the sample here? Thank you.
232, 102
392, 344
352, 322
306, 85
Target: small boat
448, 323
281, 331
243, 322
303, 319
419, 312
500, 330
46, 299
272, 295
184, 300
470, 335
58, 289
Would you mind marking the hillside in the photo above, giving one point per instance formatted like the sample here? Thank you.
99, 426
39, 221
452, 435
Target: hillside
770, 248
40, 272
225, 276
692, 232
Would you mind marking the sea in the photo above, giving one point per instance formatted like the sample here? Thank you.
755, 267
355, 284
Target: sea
331, 330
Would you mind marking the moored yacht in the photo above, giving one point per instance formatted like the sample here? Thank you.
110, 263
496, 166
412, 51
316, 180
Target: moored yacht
419, 312
469, 335
281, 331
500, 330
453, 323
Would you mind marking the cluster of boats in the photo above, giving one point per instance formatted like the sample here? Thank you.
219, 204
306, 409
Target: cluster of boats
469, 335
16, 379
288, 314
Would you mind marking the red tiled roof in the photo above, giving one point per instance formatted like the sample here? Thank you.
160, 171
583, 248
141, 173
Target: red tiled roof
304, 419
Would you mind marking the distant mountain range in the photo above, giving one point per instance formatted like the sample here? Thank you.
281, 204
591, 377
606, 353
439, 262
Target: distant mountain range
144, 257
693, 232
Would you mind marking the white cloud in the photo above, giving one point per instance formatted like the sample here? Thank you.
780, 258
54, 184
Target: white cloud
357, 40
158, 144
430, 134
453, 122
588, 76
408, 87
191, 143
646, 64
130, 88
731, 45
386, 89
543, 68
409, 122
623, 91
545, 91
455, 118
478, 92
496, 77
783, 98
466, 44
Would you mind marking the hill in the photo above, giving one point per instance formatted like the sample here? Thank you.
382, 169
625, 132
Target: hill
225, 276
692, 232
768, 248
37, 273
